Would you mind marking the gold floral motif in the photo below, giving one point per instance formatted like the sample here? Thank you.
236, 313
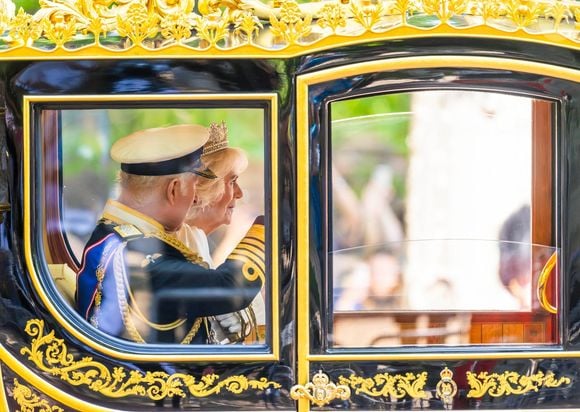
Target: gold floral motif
384, 384
247, 25
292, 25
51, 355
176, 27
320, 391
7, 10
24, 29
28, 401
332, 16
523, 12
212, 26
558, 11
444, 9
403, 7
366, 14
489, 9
138, 24
510, 383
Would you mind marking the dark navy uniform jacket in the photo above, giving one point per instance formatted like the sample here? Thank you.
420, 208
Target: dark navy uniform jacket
184, 290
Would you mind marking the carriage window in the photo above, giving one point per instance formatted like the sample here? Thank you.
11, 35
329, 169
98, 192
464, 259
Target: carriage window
144, 286
442, 220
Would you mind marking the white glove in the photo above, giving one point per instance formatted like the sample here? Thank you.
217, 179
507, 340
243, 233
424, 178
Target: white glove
230, 322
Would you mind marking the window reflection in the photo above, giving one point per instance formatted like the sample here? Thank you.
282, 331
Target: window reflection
432, 204
79, 169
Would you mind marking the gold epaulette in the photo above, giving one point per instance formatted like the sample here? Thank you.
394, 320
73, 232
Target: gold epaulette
171, 240
251, 251
128, 232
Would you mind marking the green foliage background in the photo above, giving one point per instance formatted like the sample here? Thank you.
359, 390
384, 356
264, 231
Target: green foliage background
87, 135
368, 131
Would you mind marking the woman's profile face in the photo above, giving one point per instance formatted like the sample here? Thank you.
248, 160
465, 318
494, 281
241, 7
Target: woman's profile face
220, 212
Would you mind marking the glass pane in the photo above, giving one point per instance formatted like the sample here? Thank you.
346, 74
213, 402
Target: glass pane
148, 302
432, 207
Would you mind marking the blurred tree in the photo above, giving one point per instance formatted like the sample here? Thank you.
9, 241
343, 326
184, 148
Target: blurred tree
368, 132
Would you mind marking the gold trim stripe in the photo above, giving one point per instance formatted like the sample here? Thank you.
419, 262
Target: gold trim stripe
246, 249
249, 257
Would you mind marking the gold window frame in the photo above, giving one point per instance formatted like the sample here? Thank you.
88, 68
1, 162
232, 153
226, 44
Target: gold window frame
117, 352
303, 83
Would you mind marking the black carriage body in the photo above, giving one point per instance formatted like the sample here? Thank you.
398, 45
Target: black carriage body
300, 131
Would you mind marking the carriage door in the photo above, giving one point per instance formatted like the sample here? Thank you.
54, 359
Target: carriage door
429, 244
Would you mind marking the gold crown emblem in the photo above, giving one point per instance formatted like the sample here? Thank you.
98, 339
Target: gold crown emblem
446, 374
218, 139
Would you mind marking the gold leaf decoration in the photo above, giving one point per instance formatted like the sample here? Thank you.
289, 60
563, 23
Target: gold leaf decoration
333, 16
7, 10
510, 383
175, 27
384, 384
213, 28
24, 29
28, 401
489, 9
523, 12
95, 27
367, 14
282, 28
558, 11
444, 9
402, 7
51, 355
320, 391
292, 24
59, 28
138, 24
246, 25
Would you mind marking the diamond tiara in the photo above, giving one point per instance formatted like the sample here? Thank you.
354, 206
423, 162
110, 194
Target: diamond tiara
218, 139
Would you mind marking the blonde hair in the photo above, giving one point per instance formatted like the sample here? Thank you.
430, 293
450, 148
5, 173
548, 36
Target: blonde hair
223, 162
141, 187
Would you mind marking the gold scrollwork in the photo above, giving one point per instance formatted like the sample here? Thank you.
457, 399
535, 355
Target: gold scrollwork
28, 401
51, 355
207, 26
320, 391
446, 388
384, 384
510, 383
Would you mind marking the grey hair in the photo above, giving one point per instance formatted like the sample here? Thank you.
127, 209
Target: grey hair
142, 186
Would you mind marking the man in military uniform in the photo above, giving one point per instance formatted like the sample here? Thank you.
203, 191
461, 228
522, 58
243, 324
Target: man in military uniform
159, 171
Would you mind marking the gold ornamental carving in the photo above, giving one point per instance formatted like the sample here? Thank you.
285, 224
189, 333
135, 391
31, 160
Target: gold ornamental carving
66, 28
320, 391
384, 384
446, 388
51, 355
511, 383
29, 401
